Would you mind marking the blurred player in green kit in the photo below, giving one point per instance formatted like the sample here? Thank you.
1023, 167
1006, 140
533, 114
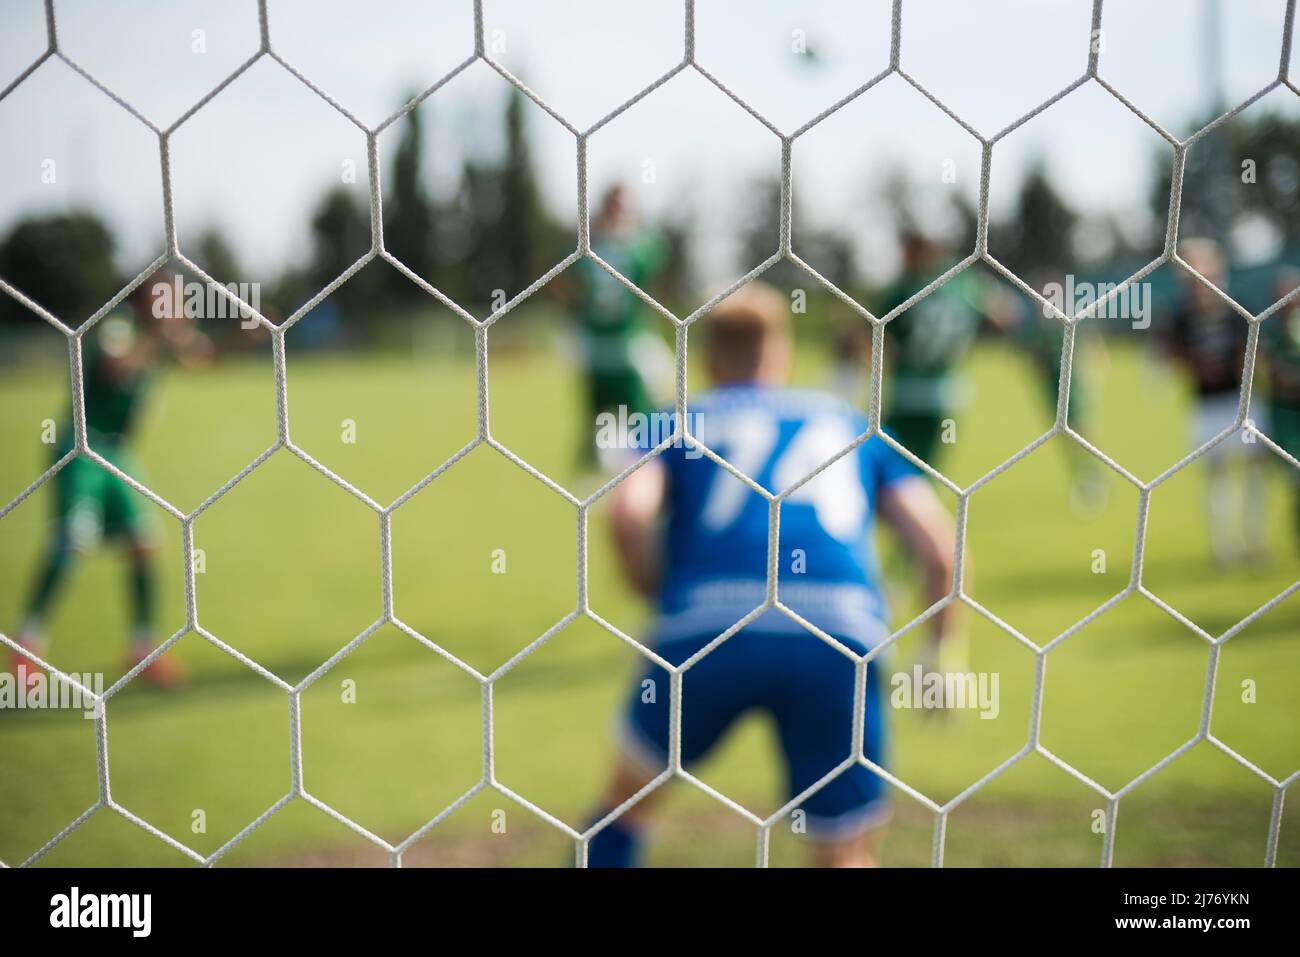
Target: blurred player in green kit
1280, 339
926, 346
1041, 335
625, 363
120, 355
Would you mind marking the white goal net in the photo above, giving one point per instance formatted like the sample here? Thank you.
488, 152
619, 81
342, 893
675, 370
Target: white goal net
176, 255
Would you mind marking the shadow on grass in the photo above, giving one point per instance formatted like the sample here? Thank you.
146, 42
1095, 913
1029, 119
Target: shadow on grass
981, 834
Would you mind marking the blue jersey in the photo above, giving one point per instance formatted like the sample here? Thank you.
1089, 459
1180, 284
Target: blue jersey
715, 548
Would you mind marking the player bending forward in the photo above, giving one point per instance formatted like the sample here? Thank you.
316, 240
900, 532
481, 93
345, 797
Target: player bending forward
707, 570
91, 504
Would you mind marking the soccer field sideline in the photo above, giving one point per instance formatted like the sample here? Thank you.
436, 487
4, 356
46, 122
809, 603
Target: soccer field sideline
228, 729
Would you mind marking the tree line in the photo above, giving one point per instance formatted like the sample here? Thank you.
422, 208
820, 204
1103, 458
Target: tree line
492, 231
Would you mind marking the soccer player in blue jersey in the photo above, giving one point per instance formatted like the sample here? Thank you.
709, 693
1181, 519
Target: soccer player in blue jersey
694, 539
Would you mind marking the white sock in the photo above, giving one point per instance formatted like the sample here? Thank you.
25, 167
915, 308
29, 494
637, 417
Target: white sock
30, 631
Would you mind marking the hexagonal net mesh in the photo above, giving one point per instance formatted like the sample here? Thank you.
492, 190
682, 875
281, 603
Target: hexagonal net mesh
488, 781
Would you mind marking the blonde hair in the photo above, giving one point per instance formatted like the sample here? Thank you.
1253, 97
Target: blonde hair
740, 330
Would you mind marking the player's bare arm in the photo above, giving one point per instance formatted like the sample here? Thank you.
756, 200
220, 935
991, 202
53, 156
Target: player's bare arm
634, 509
913, 510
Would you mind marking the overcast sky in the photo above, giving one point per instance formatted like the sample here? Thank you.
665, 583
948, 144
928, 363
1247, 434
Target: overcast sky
258, 156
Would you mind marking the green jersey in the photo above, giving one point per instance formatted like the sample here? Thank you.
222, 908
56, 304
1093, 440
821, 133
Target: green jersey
928, 341
607, 311
113, 395
91, 501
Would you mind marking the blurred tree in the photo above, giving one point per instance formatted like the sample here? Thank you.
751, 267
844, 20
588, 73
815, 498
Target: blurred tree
479, 210
512, 238
761, 229
340, 231
677, 284
64, 262
217, 257
1038, 238
826, 250
220, 261
525, 224
1273, 143
410, 215
1249, 165
340, 228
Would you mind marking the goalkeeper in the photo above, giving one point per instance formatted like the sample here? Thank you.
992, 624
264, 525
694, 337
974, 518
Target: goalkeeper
709, 570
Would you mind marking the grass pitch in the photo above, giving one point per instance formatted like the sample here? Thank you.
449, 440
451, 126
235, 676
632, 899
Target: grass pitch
391, 734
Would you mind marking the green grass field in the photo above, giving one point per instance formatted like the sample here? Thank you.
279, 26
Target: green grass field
292, 574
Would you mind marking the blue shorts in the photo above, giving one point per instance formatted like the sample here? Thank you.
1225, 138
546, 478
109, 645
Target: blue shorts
805, 685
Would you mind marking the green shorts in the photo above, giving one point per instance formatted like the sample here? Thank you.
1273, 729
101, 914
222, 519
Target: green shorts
92, 503
609, 389
918, 432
